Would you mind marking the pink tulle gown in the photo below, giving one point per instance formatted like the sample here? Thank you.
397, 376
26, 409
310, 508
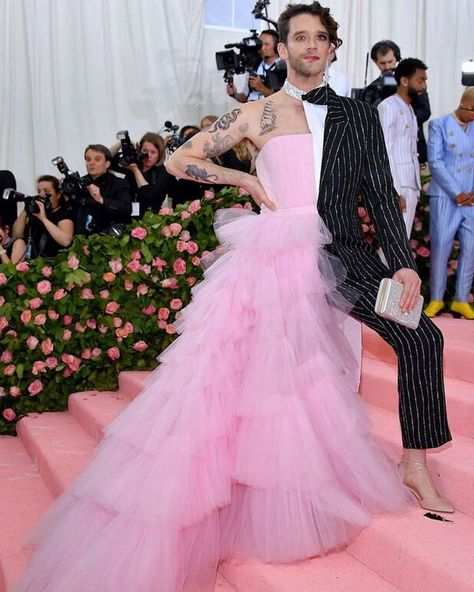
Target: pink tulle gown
247, 441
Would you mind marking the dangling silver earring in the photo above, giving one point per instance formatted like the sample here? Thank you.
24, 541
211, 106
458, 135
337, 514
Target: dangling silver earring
326, 75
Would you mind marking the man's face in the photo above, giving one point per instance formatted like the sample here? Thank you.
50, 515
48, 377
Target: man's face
96, 163
308, 46
417, 83
386, 62
466, 109
267, 50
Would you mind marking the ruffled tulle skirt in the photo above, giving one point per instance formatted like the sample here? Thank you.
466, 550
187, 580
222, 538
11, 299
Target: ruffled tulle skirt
246, 442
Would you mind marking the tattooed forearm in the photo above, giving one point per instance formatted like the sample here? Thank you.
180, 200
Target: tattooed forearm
192, 170
217, 146
268, 119
224, 122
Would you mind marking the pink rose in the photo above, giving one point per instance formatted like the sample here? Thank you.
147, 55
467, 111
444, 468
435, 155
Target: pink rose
423, 252
3, 323
12, 333
176, 304
109, 276
113, 353
194, 206
142, 290
179, 266
192, 247
38, 366
73, 262
140, 346
116, 265
181, 246
103, 329
86, 354
47, 271
15, 391
80, 328
196, 261
149, 310
146, 269
162, 324
86, 294
67, 334
35, 387
44, 287
67, 319
35, 303
104, 294
136, 254
175, 228
117, 322
71, 361
59, 294
170, 329
21, 289
209, 194
86, 250
128, 285
52, 362
53, 315
112, 307
185, 236
2, 300
40, 319
139, 233
9, 370
165, 211
32, 342
3, 279
22, 266
47, 346
91, 323
191, 280
163, 314
96, 352
171, 283
6, 356
9, 414
134, 266
165, 231
158, 262
185, 215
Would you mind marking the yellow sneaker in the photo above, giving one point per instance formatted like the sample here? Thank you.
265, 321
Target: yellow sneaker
463, 309
433, 308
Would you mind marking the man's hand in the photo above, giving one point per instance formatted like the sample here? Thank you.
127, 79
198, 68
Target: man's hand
463, 199
403, 203
255, 83
255, 189
411, 288
95, 193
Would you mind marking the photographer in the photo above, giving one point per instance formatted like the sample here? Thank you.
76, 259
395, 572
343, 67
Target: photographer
149, 180
255, 83
111, 200
44, 232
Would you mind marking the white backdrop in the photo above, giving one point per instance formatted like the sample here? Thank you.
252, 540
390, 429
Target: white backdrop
73, 72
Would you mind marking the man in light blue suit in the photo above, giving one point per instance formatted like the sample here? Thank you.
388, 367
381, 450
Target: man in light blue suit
451, 160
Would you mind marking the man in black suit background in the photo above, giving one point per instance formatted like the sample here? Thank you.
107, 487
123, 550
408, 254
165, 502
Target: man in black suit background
354, 162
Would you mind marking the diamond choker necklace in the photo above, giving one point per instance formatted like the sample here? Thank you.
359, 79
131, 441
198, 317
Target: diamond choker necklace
293, 90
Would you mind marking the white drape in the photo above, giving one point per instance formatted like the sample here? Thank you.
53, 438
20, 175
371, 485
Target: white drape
74, 72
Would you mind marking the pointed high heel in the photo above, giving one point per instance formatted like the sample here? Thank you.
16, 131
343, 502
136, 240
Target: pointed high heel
434, 503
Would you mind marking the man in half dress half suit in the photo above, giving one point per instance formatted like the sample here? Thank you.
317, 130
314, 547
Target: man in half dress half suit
349, 152
451, 158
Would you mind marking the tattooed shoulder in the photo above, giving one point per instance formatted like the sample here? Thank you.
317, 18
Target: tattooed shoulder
268, 118
223, 123
217, 145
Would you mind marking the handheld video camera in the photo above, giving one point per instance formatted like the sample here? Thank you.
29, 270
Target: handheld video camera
128, 153
174, 141
73, 185
31, 207
246, 60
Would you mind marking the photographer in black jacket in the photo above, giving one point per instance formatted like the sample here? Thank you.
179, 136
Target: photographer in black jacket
111, 199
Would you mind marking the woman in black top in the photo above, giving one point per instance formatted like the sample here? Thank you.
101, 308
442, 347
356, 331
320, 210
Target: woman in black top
47, 231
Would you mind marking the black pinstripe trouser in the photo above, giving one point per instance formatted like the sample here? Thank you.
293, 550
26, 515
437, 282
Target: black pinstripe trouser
422, 404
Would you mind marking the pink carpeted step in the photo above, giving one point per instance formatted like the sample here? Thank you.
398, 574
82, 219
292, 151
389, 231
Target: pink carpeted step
23, 499
59, 446
337, 572
378, 386
452, 465
132, 382
458, 350
418, 554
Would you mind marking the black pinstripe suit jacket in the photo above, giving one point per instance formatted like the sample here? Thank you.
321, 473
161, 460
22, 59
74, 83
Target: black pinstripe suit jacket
354, 163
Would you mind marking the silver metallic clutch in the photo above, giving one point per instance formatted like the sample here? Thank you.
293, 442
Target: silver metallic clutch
387, 304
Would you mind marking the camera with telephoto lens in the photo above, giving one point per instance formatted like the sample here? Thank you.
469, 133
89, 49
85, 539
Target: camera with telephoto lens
128, 153
73, 185
31, 207
247, 59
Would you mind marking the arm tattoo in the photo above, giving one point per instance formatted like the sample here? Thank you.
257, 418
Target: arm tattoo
219, 145
268, 119
192, 170
224, 122
243, 128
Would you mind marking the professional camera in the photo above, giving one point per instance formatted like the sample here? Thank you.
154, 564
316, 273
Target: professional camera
31, 207
73, 185
174, 141
246, 60
128, 153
